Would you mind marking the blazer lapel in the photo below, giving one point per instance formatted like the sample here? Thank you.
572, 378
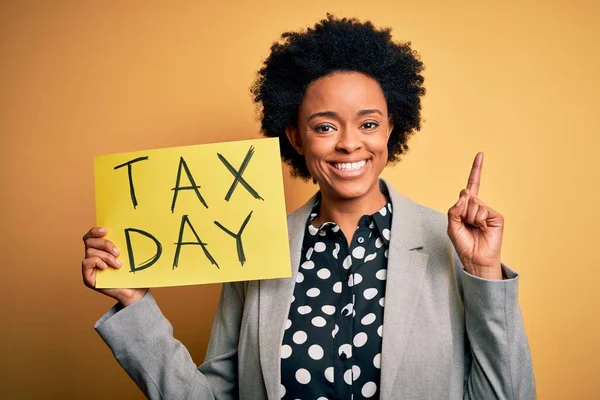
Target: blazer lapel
406, 272
275, 296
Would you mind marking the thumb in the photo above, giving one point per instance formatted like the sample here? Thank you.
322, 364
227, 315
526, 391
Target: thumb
457, 210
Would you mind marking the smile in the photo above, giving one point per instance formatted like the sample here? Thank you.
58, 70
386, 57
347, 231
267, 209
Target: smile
353, 166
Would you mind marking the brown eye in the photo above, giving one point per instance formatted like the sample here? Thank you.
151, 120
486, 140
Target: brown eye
370, 125
324, 128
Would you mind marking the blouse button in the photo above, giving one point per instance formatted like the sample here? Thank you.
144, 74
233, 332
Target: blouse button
361, 240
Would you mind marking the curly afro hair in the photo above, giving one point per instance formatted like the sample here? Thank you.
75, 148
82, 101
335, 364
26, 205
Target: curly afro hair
338, 45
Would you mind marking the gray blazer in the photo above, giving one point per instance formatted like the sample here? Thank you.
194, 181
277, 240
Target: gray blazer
446, 334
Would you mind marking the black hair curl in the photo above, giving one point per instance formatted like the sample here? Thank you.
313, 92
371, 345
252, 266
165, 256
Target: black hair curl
338, 45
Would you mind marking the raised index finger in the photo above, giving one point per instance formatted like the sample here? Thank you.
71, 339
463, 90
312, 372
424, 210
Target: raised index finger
475, 175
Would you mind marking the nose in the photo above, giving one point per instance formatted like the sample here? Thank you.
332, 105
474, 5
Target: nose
349, 140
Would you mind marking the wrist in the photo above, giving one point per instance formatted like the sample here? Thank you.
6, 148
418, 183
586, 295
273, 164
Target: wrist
486, 272
132, 298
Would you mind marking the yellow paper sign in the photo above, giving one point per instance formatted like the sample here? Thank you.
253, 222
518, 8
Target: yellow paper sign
197, 214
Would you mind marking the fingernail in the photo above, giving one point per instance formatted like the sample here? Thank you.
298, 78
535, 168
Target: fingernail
119, 263
101, 230
116, 251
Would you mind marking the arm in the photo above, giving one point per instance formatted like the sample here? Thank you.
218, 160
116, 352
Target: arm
142, 341
500, 365
500, 357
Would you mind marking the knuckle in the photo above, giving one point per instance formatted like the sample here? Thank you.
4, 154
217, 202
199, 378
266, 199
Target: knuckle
107, 245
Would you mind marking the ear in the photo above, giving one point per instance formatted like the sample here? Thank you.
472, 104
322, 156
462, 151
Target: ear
293, 136
390, 127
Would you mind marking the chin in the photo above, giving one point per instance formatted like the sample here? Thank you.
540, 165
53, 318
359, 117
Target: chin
348, 190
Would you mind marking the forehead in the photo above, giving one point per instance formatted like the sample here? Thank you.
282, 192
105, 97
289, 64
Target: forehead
343, 92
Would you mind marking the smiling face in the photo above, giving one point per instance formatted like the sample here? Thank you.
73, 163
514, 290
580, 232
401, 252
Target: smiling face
343, 129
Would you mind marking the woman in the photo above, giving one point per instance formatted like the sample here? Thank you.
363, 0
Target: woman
388, 299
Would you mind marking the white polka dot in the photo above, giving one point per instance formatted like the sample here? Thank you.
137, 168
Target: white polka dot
312, 230
308, 264
293, 298
304, 310
347, 262
378, 243
370, 293
286, 351
303, 376
315, 352
355, 372
390, 206
386, 234
360, 339
346, 349
382, 301
383, 211
335, 330
299, 337
322, 232
319, 247
337, 287
319, 322
324, 273
381, 274
368, 319
322, 398
369, 389
336, 251
377, 361
370, 257
380, 331
354, 279
281, 391
329, 310
309, 253
335, 228
313, 292
348, 376
329, 374
299, 277
385, 254
288, 323
358, 252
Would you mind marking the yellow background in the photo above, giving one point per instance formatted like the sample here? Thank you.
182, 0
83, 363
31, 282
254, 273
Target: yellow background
153, 181
518, 80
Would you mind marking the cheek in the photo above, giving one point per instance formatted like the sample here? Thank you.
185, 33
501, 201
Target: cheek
380, 145
316, 150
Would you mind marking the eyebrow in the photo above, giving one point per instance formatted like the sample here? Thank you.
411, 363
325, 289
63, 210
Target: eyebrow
334, 114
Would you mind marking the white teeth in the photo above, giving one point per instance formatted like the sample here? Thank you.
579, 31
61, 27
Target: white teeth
350, 166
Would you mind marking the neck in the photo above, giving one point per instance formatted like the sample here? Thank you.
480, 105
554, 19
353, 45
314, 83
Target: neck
347, 212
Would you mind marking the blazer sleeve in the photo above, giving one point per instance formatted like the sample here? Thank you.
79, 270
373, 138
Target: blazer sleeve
500, 359
142, 341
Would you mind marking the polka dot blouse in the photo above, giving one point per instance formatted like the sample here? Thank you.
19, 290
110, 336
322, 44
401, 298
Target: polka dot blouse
332, 342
